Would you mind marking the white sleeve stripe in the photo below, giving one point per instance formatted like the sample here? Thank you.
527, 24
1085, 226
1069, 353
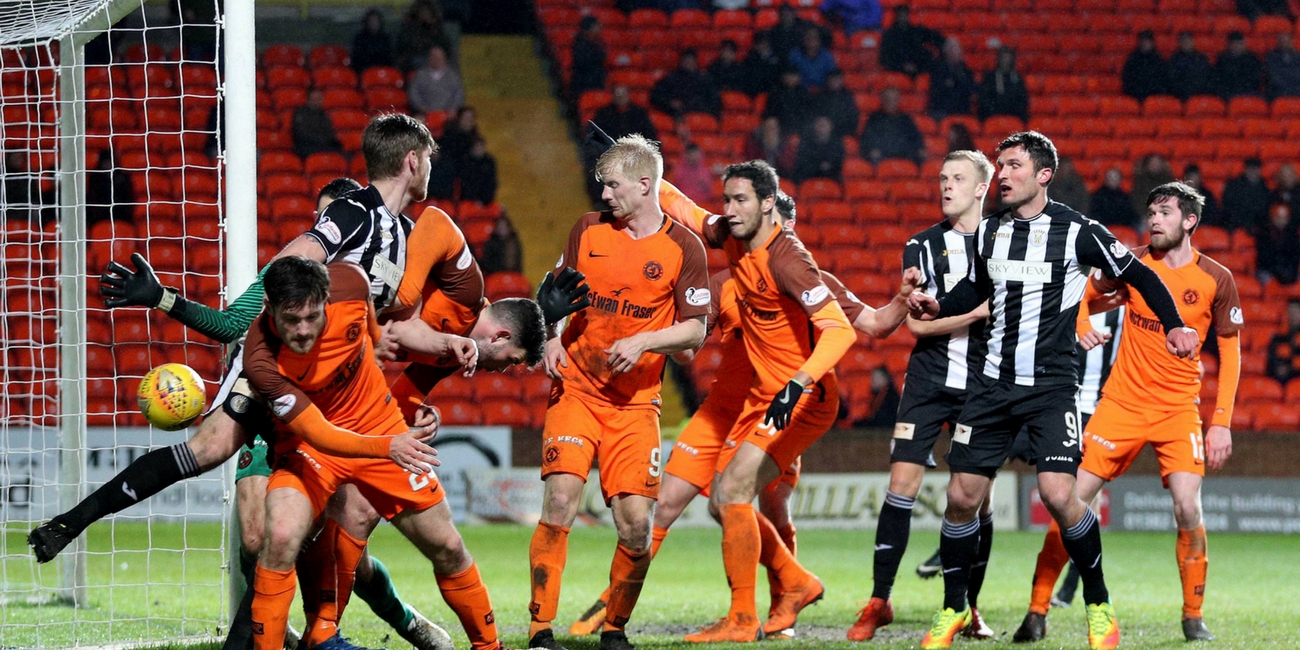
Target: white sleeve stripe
1106, 254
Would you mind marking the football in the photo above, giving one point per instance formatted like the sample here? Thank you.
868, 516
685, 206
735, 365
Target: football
172, 396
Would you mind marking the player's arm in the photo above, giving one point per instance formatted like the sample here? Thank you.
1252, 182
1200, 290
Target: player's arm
433, 240
683, 210
880, 323
945, 326
966, 296
1097, 247
122, 287
417, 336
1089, 337
1228, 321
692, 298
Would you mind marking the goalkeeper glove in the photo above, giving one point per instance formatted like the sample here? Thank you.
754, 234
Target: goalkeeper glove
123, 288
597, 138
563, 295
778, 413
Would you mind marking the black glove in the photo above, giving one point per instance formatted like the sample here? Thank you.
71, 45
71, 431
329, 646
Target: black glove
778, 413
123, 288
597, 139
563, 295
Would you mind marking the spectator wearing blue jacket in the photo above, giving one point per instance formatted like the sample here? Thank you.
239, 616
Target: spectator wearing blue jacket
857, 15
813, 61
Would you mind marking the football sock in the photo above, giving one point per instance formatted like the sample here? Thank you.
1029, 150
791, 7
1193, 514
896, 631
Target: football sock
1193, 562
1083, 542
272, 598
240, 636
773, 554
147, 476
380, 594
892, 530
740, 552
981, 564
316, 575
1051, 559
466, 595
626, 577
787, 533
546, 555
657, 536
958, 546
347, 553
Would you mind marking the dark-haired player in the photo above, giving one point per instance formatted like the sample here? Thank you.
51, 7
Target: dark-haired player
1031, 268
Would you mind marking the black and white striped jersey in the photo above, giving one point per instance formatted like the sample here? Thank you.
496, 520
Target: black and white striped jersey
1035, 271
1095, 365
358, 228
944, 256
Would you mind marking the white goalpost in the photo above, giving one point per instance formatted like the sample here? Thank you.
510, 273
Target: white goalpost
110, 144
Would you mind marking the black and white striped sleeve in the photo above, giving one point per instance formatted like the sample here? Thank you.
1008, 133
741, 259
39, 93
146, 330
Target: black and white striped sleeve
1098, 248
343, 225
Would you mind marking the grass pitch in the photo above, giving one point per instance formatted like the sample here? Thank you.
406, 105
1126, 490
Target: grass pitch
1250, 601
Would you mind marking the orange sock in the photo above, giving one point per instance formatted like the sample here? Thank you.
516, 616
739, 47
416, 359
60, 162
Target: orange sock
546, 555
787, 537
741, 543
1193, 563
657, 536
466, 595
272, 598
774, 555
626, 577
348, 551
1050, 562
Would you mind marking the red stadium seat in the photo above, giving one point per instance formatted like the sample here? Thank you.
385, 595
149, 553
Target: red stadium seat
382, 76
1205, 106
326, 163
282, 55
280, 76
896, 169
279, 184
344, 98
689, 19
507, 284
819, 188
857, 168
536, 386
869, 190
460, 412
294, 209
497, 386
279, 162
1212, 239
647, 19
507, 412
827, 212
733, 19
1276, 417
334, 77
324, 56
876, 212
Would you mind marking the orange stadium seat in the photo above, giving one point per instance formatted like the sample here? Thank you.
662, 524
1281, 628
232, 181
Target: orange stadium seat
497, 386
282, 55
1275, 417
826, 212
869, 190
647, 19
280, 76
323, 56
280, 162
382, 76
506, 412
1212, 239
819, 188
733, 19
460, 412
293, 209
1292, 391
536, 387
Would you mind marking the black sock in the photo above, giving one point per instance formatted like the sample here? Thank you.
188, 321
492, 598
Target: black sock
1071, 583
241, 627
958, 545
892, 531
147, 476
1083, 543
981, 564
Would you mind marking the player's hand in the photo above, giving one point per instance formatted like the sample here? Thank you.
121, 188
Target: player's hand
560, 296
411, 453
465, 351
911, 282
121, 287
555, 358
1182, 342
428, 416
778, 413
597, 138
624, 354
922, 306
1093, 339
387, 348
1218, 446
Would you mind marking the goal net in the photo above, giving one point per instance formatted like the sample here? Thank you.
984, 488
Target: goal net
110, 146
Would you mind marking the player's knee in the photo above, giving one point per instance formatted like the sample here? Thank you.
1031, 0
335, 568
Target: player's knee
1056, 498
251, 540
905, 479
962, 501
1187, 512
714, 512
280, 546
450, 556
635, 536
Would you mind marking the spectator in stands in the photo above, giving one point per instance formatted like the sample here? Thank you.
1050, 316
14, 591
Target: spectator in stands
1284, 348
1277, 248
1151, 172
691, 174
884, 401
588, 58
313, 132
436, 87
907, 48
1246, 199
621, 117
960, 138
503, 250
789, 102
952, 84
1190, 71
371, 48
1211, 213
813, 61
1003, 90
686, 89
109, 192
837, 103
477, 173
1240, 71
761, 70
1110, 205
854, 15
821, 153
1253, 9
421, 30
458, 135
1282, 66
1286, 189
442, 177
726, 71
770, 144
891, 133
1068, 186
788, 33
1145, 73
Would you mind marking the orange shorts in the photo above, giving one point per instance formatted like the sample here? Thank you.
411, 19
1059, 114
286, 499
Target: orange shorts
625, 440
790, 475
1116, 433
812, 418
694, 458
317, 475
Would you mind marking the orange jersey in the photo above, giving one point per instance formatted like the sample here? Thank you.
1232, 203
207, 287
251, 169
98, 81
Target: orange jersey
637, 285
441, 271
848, 301
1145, 374
338, 375
735, 373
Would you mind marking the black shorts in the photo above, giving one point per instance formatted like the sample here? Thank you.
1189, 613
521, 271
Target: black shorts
922, 411
996, 412
235, 397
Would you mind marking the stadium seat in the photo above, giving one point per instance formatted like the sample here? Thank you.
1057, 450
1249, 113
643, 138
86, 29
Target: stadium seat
1212, 239
1275, 417
701, 123
507, 284
293, 209
827, 212
280, 162
1205, 106
326, 163
282, 55
689, 19
1161, 106
324, 56
1090, 127
896, 169
1239, 107
733, 19
741, 124
348, 119
841, 236
382, 76
281, 184
820, 188
855, 260
460, 412
1263, 129
334, 77
507, 413
647, 19
1216, 129
280, 76
497, 386
876, 212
